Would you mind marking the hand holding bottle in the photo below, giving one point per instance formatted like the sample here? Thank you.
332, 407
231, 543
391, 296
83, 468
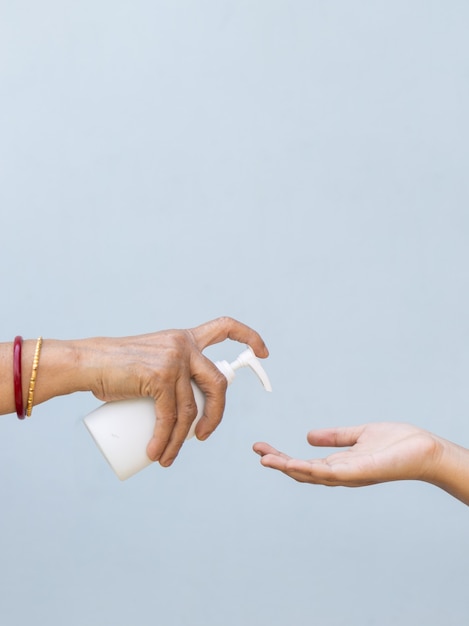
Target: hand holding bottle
161, 366
122, 429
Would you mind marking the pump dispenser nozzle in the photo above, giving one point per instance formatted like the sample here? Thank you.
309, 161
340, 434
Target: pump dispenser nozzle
245, 359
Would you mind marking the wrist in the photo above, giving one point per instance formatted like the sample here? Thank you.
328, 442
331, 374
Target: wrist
62, 369
86, 358
451, 469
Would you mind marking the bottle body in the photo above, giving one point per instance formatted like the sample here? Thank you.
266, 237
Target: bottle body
122, 430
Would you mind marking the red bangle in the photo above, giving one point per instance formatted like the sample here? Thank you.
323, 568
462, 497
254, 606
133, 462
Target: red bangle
17, 382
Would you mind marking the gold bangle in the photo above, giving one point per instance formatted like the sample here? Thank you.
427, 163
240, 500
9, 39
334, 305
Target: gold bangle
32, 382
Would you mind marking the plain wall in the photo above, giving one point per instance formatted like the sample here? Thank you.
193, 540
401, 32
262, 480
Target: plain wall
301, 166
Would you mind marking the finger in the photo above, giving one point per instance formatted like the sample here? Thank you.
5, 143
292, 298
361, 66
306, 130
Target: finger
332, 473
186, 413
166, 417
285, 463
263, 448
335, 437
213, 385
315, 471
222, 328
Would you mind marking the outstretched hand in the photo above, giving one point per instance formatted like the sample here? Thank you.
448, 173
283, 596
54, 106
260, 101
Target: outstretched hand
377, 453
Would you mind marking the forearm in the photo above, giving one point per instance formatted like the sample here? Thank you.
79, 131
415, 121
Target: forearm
63, 369
452, 470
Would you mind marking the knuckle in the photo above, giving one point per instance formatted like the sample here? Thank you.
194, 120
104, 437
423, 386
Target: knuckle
167, 419
226, 321
188, 411
175, 351
220, 382
165, 377
180, 340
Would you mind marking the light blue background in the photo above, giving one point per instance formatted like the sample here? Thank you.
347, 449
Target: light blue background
301, 166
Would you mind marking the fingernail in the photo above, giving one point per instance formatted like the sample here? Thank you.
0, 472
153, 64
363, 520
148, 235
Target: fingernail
166, 462
203, 436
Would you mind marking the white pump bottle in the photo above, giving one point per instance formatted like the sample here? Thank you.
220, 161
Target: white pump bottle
122, 429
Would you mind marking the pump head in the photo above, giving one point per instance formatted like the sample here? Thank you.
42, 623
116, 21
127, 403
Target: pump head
245, 359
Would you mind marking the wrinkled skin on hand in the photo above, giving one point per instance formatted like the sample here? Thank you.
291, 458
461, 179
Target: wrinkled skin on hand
161, 365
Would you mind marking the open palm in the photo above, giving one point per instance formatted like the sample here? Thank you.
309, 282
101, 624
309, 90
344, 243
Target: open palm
377, 452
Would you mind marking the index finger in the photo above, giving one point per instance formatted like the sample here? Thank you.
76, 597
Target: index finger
335, 437
222, 328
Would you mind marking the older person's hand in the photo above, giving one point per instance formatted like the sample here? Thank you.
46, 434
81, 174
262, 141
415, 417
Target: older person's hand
161, 365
